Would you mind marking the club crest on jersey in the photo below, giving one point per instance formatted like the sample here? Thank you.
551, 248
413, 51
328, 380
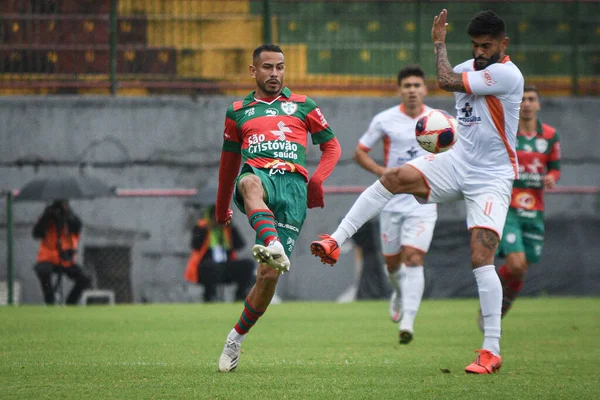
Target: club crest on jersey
541, 145
289, 107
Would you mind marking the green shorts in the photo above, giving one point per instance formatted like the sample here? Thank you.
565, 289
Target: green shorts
523, 234
285, 195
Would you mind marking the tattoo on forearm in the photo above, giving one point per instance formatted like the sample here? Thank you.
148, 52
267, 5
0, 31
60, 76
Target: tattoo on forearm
487, 238
447, 78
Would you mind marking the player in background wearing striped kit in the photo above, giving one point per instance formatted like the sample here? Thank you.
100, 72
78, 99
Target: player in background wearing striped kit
267, 133
480, 168
538, 151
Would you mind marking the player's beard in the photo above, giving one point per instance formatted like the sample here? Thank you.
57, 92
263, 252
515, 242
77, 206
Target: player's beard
492, 60
272, 92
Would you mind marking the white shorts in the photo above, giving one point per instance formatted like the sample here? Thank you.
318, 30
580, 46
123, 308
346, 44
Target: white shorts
400, 230
486, 193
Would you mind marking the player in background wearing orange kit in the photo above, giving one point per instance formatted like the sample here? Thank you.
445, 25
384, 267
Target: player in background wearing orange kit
538, 150
406, 226
267, 133
480, 168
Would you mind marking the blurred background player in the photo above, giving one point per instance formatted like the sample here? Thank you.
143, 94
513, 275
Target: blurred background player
538, 151
406, 227
214, 260
267, 133
480, 168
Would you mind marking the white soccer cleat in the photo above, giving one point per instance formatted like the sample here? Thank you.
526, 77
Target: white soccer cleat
395, 307
272, 255
230, 356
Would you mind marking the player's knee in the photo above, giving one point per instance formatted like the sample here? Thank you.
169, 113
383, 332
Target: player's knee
250, 185
481, 257
392, 263
392, 180
392, 267
518, 269
413, 258
404, 179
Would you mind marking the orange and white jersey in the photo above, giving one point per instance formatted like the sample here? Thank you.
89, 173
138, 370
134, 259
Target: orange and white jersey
488, 116
397, 131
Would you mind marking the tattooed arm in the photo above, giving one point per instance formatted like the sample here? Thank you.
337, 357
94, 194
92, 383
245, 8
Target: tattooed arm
447, 79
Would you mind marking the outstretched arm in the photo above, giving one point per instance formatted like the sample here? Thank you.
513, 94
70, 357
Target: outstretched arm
330, 154
448, 80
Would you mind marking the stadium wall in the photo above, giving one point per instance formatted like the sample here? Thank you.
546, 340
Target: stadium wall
174, 142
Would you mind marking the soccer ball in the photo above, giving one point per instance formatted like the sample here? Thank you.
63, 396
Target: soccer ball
436, 131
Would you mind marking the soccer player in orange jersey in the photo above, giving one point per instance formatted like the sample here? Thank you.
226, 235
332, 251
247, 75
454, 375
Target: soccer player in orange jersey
480, 168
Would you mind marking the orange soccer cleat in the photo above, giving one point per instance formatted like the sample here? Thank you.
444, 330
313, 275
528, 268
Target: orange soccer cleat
485, 363
326, 248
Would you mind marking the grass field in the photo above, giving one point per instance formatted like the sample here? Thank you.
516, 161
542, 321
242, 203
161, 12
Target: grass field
302, 350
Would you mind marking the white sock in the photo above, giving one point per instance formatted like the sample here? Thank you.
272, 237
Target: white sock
490, 300
413, 285
394, 278
369, 204
234, 335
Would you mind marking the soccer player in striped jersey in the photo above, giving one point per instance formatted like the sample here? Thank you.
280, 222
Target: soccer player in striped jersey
267, 133
480, 168
538, 151
406, 226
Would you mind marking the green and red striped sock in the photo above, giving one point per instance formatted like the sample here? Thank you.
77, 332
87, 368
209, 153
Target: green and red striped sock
510, 288
263, 222
248, 318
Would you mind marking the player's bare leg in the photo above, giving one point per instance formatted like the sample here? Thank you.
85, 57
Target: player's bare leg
256, 304
512, 276
272, 262
404, 179
484, 243
264, 289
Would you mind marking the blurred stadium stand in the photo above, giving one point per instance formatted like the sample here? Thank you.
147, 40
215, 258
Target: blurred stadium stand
334, 46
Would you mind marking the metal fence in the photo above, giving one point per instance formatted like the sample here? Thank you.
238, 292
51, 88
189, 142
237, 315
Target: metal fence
335, 46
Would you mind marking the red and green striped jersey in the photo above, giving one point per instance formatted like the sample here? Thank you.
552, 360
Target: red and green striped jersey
273, 134
538, 155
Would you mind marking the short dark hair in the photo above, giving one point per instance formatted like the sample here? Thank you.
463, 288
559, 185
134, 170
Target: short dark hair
531, 88
265, 47
487, 23
410, 70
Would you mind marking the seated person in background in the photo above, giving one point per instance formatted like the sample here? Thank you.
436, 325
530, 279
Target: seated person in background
59, 230
213, 260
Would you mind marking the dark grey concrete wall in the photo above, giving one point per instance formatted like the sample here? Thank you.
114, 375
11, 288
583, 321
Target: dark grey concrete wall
174, 142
